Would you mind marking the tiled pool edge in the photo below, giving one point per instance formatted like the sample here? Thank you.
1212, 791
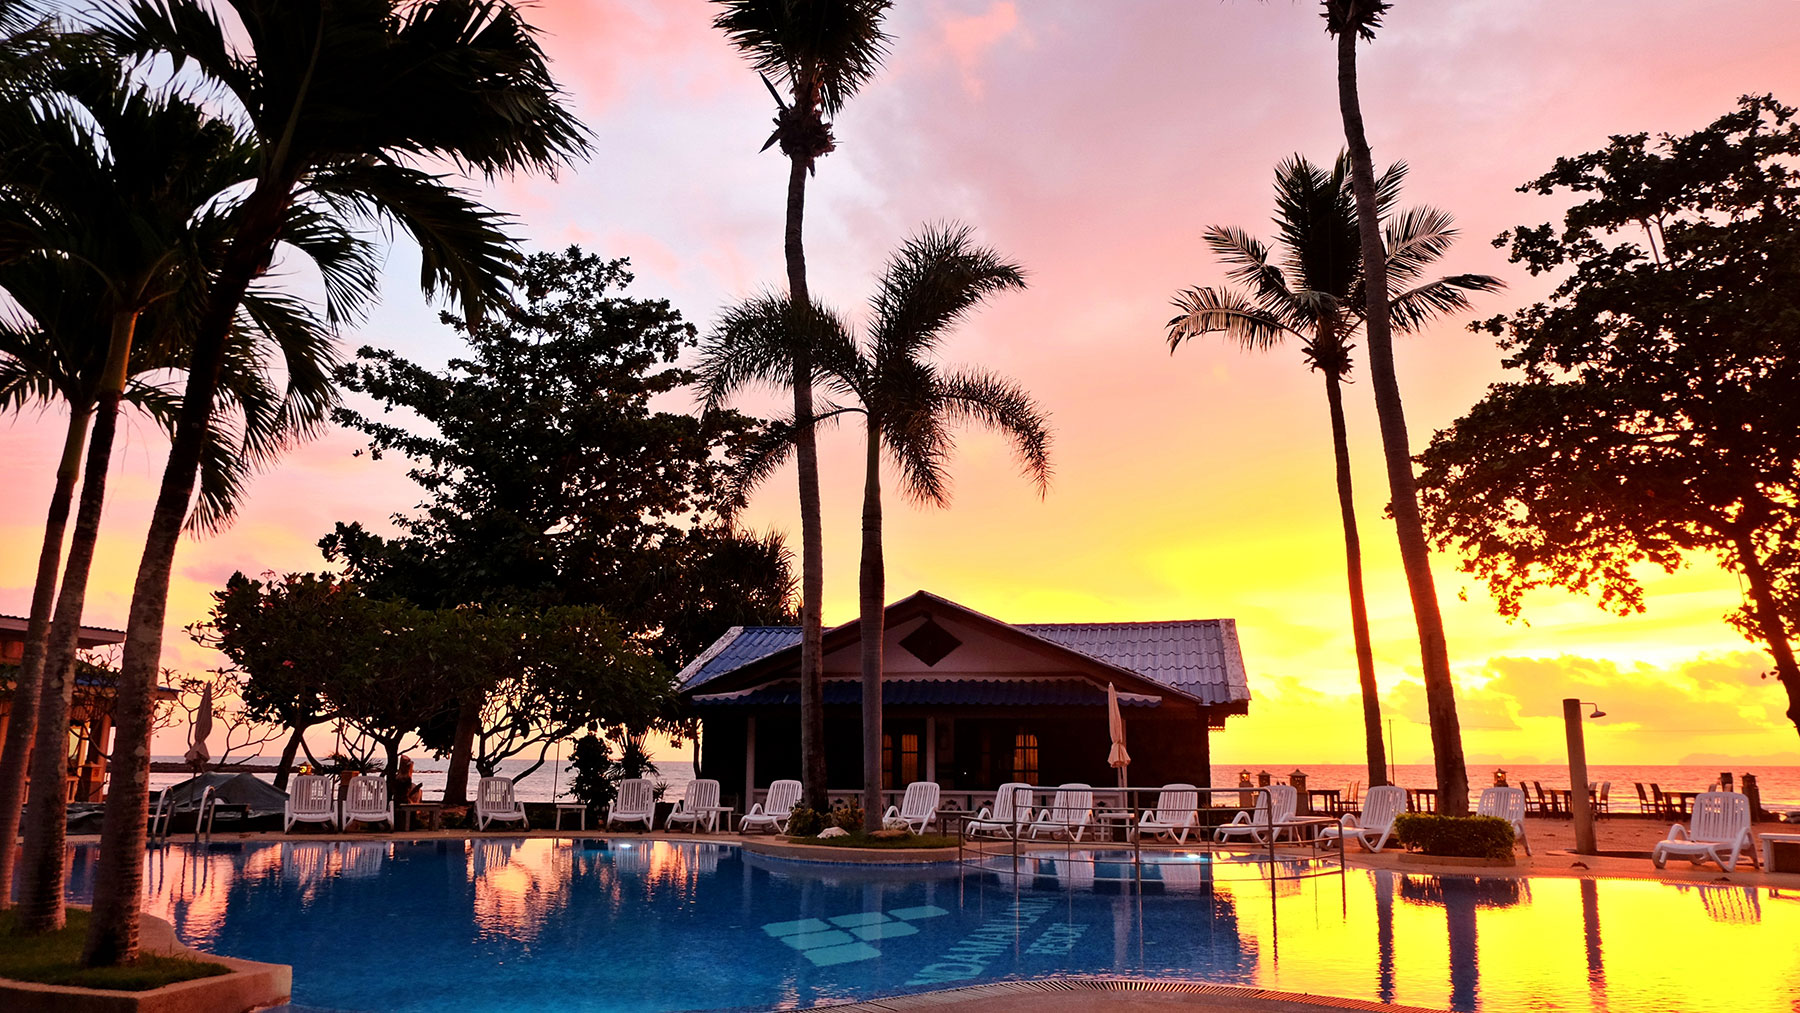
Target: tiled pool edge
1230, 997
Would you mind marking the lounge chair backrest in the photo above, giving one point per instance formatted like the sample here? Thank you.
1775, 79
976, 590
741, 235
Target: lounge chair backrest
1605, 790
782, 798
1008, 795
1719, 817
1176, 803
635, 796
1073, 803
1284, 799
1504, 803
367, 794
1381, 805
701, 794
495, 794
311, 793
921, 800
1643, 799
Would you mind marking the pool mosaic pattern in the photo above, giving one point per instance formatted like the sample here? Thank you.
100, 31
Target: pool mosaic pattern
497, 926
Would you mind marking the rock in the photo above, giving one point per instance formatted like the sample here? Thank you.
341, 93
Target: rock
890, 835
834, 832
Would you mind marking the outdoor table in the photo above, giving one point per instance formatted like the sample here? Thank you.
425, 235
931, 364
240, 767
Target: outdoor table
1684, 800
433, 813
1781, 852
713, 812
1328, 800
1124, 819
1311, 826
580, 811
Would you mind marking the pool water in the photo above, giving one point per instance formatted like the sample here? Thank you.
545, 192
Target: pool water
528, 925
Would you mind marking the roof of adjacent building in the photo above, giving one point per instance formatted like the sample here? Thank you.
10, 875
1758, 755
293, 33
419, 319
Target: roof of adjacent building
91, 636
1027, 691
1198, 658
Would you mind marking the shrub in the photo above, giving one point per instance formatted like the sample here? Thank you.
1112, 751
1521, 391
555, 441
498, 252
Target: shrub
849, 816
805, 822
1455, 836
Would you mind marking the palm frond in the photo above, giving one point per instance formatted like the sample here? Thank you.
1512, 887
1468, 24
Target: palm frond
348, 263
931, 283
1417, 306
1206, 310
754, 343
834, 46
1000, 404
1416, 238
1250, 259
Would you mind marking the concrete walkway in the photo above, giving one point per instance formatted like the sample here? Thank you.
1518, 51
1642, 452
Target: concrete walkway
1116, 995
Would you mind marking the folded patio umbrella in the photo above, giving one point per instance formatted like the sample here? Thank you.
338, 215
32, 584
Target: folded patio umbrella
1118, 758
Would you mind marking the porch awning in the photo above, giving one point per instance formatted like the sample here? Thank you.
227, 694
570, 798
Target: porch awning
1010, 691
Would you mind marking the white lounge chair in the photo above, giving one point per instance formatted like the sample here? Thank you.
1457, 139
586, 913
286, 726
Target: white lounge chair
310, 800
495, 802
1177, 813
1507, 804
1269, 818
1010, 814
636, 803
1068, 814
1720, 823
1376, 824
367, 802
916, 811
775, 808
691, 808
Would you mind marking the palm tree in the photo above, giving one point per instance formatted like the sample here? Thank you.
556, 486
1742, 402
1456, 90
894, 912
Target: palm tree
110, 188
342, 99
1315, 297
823, 51
908, 406
1347, 20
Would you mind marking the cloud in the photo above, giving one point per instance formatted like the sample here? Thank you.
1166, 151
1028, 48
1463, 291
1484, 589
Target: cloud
970, 39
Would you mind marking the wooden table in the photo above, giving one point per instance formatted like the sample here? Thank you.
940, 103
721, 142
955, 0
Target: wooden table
713, 812
1124, 819
1326, 800
1311, 824
578, 808
432, 811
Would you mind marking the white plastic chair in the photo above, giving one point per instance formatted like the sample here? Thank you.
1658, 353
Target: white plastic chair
1507, 804
1720, 822
1177, 813
367, 802
701, 795
495, 802
310, 801
1068, 813
636, 804
773, 811
1011, 812
1375, 826
916, 811
1269, 818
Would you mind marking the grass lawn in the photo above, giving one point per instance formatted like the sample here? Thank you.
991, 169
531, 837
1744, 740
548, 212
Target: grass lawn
55, 959
865, 841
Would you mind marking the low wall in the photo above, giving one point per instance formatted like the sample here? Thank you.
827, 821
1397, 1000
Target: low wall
250, 985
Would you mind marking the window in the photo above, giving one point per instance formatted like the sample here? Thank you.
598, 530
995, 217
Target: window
906, 761
1025, 757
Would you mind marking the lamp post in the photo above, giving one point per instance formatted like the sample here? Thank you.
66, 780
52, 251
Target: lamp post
1580, 804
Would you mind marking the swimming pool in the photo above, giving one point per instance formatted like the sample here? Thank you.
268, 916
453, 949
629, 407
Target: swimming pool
497, 925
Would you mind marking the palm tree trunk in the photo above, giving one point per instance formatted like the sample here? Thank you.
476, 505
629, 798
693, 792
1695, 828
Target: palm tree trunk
41, 869
1415, 554
812, 536
119, 876
873, 628
1769, 622
1359, 609
22, 728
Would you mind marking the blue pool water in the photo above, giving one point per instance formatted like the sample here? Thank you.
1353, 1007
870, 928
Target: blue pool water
515, 925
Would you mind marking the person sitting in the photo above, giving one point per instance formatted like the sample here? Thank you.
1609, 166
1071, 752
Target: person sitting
405, 790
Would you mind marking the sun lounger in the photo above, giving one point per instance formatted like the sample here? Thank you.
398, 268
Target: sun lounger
773, 811
496, 803
367, 802
1011, 812
1177, 813
1269, 819
636, 803
310, 801
1720, 823
1375, 826
1507, 804
1068, 814
916, 811
699, 805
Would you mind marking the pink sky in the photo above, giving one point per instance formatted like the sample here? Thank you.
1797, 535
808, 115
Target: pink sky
1093, 143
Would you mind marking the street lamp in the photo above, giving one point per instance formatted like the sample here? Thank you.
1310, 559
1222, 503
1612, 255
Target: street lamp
1581, 805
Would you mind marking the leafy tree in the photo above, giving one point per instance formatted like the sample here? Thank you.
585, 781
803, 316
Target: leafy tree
345, 100
908, 405
1348, 21
1314, 296
1654, 415
823, 52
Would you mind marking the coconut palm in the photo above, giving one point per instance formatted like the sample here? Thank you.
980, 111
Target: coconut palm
822, 52
1347, 21
109, 189
908, 405
1314, 296
345, 100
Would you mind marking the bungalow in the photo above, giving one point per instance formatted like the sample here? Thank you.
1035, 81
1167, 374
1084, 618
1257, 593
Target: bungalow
971, 702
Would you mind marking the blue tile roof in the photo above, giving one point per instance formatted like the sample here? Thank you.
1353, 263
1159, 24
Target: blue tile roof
738, 647
1006, 692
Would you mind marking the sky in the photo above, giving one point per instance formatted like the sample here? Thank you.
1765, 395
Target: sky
1093, 143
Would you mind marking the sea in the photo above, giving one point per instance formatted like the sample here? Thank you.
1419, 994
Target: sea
1779, 785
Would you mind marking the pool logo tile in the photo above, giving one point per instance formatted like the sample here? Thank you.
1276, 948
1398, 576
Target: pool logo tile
846, 938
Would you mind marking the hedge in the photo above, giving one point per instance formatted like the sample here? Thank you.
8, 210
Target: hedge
1455, 836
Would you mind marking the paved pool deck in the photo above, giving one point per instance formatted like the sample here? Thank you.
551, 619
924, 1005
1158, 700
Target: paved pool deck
1116, 995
